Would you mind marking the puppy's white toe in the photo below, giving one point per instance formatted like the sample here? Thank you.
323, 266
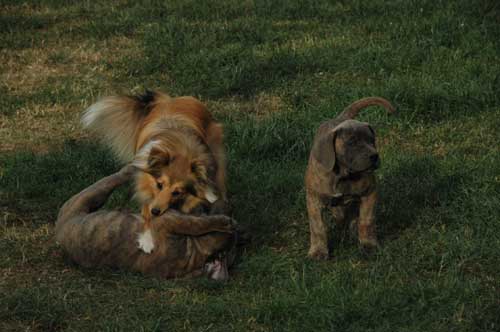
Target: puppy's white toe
145, 241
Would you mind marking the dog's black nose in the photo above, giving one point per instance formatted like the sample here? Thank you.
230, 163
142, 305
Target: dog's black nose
155, 211
374, 158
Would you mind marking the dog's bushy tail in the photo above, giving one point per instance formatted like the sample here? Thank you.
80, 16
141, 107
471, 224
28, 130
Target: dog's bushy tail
352, 110
117, 121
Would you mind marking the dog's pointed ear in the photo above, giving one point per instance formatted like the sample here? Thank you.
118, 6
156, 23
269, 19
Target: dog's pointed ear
199, 170
158, 157
211, 194
205, 185
323, 150
151, 157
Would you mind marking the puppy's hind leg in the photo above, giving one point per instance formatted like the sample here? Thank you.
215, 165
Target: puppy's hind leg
318, 228
94, 197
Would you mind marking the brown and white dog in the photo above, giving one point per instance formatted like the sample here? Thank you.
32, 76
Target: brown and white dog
187, 245
176, 145
340, 178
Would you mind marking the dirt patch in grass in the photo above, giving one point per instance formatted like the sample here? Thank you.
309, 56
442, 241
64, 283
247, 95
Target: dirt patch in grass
56, 83
27, 70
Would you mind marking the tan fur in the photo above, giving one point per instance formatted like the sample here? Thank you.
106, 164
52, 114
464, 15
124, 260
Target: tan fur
340, 179
117, 121
179, 132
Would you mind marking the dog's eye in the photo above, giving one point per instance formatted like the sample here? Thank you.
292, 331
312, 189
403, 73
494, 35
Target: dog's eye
159, 185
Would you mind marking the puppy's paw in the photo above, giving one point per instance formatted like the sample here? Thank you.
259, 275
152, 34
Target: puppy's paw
318, 254
368, 245
229, 223
367, 237
145, 242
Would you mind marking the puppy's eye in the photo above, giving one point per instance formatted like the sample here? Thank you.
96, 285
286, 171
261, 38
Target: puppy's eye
159, 185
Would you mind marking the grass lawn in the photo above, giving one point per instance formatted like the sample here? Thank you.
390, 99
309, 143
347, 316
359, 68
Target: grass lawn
271, 71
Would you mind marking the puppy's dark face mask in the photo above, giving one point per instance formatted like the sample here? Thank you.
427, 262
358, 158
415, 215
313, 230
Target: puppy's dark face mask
355, 149
348, 149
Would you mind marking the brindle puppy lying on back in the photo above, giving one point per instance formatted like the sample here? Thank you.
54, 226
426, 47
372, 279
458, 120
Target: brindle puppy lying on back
187, 245
340, 178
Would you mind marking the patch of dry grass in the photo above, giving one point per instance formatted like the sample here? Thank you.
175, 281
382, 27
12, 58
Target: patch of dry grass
84, 70
260, 106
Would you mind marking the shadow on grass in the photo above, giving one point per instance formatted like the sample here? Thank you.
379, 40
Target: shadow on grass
36, 185
416, 190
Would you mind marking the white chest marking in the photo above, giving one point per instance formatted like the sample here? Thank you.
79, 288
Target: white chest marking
145, 241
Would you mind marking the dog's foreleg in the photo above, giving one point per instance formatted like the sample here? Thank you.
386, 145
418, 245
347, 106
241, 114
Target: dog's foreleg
195, 226
367, 233
318, 228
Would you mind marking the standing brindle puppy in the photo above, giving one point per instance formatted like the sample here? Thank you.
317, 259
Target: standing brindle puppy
187, 245
340, 178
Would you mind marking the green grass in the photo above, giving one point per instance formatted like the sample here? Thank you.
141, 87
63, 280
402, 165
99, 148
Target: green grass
271, 71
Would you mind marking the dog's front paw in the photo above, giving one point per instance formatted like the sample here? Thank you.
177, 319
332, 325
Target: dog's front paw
318, 254
145, 242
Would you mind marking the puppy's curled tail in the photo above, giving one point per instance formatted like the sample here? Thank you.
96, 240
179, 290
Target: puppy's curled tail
117, 121
352, 110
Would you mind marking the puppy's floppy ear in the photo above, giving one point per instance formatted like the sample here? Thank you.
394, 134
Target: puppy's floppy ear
323, 150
